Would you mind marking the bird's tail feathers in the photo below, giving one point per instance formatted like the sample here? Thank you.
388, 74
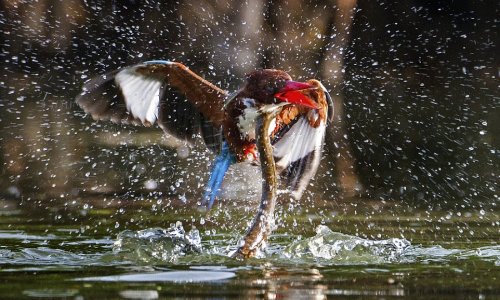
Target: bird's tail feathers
221, 165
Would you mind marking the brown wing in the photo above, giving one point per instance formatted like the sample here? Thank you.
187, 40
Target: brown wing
157, 91
207, 98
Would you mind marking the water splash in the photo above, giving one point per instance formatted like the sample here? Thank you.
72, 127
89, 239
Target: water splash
339, 248
157, 244
174, 245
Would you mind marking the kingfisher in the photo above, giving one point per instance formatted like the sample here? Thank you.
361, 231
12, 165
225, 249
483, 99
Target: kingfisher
185, 105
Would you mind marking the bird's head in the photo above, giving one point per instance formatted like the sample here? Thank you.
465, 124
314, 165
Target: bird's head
275, 87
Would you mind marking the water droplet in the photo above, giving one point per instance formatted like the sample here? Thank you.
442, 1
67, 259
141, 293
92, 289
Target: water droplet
150, 184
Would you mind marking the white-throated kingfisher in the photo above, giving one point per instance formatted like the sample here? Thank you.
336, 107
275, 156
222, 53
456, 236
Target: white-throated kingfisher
184, 105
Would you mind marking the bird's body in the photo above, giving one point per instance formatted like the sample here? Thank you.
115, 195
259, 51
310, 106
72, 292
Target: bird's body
140, 94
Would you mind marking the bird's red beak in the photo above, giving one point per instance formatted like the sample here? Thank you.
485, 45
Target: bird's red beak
291, 93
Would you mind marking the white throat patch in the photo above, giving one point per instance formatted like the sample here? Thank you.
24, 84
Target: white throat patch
246, 122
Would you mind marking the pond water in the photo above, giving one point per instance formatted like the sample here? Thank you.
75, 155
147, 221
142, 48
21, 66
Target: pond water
118, 247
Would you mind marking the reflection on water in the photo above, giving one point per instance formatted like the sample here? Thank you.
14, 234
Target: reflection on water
172, 276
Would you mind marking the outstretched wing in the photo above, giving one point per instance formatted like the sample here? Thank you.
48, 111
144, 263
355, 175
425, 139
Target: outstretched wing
298, 141
162, 92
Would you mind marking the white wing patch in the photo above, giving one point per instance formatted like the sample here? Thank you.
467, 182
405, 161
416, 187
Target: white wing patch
141, 93
301, 143
298, 142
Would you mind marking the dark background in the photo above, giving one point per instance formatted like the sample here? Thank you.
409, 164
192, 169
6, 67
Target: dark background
415, 86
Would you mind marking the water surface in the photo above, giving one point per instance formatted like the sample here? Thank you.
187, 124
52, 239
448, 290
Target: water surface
351, 248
